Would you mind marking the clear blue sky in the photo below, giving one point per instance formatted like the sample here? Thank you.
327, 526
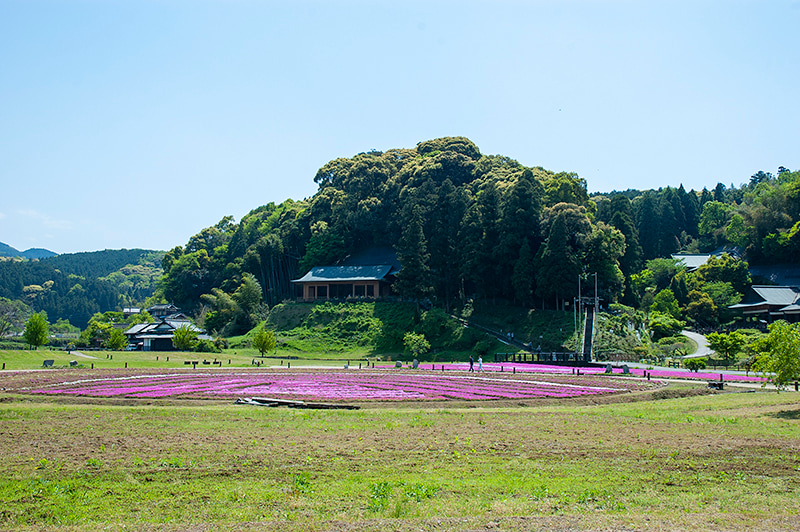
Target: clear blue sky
129, 124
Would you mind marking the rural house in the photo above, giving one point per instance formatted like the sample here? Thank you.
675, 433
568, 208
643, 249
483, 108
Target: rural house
692, 261
367, 275
770, 303
157, 336
163, 310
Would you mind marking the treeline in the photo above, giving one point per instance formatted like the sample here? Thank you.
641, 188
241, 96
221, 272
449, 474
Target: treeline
760, 218
467, 225
74, 287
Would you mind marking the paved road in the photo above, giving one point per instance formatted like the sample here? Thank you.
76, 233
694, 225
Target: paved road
702, 345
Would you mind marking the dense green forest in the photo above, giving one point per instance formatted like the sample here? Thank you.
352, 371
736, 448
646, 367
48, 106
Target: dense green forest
466, 227
74, 287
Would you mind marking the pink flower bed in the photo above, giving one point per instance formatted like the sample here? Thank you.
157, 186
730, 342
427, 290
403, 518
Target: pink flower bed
341, 385
569, 370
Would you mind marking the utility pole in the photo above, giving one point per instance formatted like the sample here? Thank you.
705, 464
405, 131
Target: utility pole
577, 309
594, 315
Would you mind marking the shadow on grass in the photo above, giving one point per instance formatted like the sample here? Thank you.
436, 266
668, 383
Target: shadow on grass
788, 414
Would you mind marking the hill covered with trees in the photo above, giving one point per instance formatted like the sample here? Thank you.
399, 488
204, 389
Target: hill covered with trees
74, 287
466, 227
464, 223
471, 226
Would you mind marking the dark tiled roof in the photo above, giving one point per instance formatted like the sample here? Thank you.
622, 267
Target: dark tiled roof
371, 257
345, 273
773, 296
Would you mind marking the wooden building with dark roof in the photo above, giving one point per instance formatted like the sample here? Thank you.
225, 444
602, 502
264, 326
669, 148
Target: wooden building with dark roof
770, 303
367, 275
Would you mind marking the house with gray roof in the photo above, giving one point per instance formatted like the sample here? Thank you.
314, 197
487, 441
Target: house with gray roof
770, 303
157, 336
368, 275
692, 261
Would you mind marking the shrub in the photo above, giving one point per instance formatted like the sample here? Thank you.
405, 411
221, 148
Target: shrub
206, 346
416, 343
221, 343
483, 347
695, 364
663, 325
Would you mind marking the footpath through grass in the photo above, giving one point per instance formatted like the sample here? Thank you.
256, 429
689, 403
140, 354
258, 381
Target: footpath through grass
719, 462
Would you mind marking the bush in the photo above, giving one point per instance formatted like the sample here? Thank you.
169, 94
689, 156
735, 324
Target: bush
663, 325
483, 347
206, 346
695, 364
221, 343
416, 344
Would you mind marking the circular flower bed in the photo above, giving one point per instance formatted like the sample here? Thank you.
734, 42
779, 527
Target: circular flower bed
338, 385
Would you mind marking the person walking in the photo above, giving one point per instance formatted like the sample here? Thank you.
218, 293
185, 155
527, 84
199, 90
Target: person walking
480, 363
471, 363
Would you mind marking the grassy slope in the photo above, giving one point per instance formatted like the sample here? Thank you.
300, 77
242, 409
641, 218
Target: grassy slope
550, 329
720, 462
377, 328
365, 330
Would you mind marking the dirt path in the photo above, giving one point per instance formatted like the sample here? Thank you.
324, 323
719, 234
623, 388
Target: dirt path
79, 354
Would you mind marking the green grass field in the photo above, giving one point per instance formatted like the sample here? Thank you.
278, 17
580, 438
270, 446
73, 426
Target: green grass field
712, 462
239, 357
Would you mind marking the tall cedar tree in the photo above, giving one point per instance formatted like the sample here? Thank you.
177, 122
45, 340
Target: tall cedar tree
451, 203
488, 269
557, 265
524, 271
521, 208
414, 278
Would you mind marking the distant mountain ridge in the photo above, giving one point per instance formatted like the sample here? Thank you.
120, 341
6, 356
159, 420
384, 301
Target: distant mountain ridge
32, 253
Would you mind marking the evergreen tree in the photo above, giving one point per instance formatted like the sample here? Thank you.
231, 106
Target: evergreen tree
705, 197
446, 217
631, 261
524, 271
470, 238
488, 268
521, 210
558, 266
719, 193
648, 225
414, 278
670, 218
691, 210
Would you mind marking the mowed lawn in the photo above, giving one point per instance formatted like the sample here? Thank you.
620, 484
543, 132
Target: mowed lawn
712, 462
230, 358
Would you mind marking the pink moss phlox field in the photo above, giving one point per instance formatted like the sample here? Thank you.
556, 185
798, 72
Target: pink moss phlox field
364, 385
520, 367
